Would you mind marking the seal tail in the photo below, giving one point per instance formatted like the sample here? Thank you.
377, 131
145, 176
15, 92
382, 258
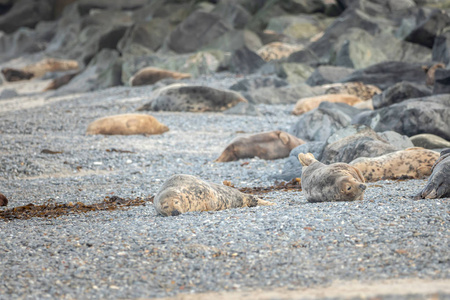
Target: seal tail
306, 159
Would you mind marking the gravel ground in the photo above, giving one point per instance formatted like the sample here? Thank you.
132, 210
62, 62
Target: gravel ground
135, 253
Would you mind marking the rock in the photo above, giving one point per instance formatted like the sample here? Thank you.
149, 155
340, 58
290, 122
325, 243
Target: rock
429, 141
441, 82
187, 98
328, 74
103, 71
364, 143
358, 89
420, 115
307, 104
292, 167
399, 92
257, 82
150, 75
441, 48
25, 13
16, 74
395, 139
318, 124
196, 31
386, 74
425, 32
277, 50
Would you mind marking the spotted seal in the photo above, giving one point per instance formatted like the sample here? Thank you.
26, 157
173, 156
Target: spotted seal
127, 124
413, 162
182, 193
335, 182
267, 145
438, 185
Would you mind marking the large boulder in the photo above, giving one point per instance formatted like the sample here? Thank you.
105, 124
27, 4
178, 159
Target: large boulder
388, 73
421, 115
399, 92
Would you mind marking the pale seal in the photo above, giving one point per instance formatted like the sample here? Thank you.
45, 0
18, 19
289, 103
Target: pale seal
335, 182
267, 145
306, 104
127, 124
410, 163
182, 193
438, 185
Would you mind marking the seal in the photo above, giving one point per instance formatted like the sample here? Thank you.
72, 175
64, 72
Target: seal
127, 124
3, 200
267, 145
335, 182
411, 163
307, 104
182, 193
151, 75
438, 185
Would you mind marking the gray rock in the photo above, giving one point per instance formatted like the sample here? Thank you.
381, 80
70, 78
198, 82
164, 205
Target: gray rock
364, 143
399, 92
441, 82
429, 141
421, 115
320, 123
397, 140
196, 31
328, 74
388, 73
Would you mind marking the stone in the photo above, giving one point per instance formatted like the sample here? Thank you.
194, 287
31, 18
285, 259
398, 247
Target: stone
399, 92
410, 117
328, 74
429, 141
386, 74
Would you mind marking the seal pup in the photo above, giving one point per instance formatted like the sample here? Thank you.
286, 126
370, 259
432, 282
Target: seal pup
3, 200
267, 145
306, 104
127, 124
151, 75
335, 182
182, 193
410, 163
438, 185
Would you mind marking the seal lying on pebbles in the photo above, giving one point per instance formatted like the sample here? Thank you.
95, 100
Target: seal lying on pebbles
335, 182
410, 163
192, 98
150, 75
3, 200
267, 145
307, 104
127, 124
438, 185
182, 193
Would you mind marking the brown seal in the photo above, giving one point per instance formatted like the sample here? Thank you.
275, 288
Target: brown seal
182, 193
267, 145
335, 182
307, 104
410, 163
151, 75
438, 185
3, 200
127, 124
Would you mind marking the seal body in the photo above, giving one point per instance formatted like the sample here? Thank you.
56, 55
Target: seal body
335, 182
182, 193
438, 185
127, 124
3, 200
267, 145
410, 163
307, 104
151, 75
